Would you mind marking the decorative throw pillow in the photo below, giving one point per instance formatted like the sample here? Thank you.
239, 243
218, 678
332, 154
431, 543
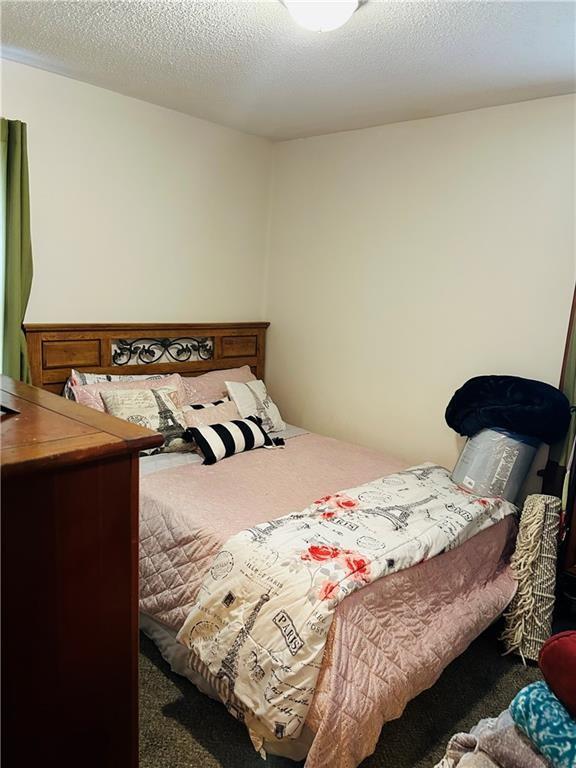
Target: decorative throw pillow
205, 414
252, 399
220, 441
90, 393
557, 662
81, 378
212, 386
151, 408
201, 406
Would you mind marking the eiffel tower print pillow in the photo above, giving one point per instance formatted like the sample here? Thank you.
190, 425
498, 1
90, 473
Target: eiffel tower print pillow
151, 408
252, 399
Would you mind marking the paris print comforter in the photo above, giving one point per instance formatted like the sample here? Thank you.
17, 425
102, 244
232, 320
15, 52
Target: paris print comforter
263, 612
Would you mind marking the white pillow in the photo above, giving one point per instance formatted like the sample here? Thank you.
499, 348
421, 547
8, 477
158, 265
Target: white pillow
252, 399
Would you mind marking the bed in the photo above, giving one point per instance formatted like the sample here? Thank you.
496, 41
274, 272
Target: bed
388, 641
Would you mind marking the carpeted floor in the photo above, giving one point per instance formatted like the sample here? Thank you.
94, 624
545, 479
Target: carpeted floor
181, 728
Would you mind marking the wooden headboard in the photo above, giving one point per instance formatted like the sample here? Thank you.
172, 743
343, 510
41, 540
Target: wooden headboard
187, 349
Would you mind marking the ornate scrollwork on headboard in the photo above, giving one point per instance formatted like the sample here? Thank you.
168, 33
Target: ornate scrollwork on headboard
145, 351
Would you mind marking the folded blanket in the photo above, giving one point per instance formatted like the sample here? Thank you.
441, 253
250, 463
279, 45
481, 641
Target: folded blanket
510, 748
477, 760
492, 748
520, 405
259, 626
459, 745
548, 725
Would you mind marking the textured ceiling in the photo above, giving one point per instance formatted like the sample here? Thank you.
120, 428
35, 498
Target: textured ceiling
247, 65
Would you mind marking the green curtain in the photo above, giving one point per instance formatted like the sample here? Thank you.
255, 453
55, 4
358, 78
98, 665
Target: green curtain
17, 247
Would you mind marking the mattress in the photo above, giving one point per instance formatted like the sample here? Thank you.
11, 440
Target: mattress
388, 642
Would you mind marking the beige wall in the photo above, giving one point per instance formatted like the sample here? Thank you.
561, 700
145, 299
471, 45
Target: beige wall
401, 260
138, 213
407, 258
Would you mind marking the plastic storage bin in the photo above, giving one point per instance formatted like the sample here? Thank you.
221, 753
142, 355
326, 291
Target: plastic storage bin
495, 463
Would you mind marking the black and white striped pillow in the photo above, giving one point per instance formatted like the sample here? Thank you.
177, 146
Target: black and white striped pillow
201, 406
219, 441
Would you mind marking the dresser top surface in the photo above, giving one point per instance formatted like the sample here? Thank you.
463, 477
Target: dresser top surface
46, 430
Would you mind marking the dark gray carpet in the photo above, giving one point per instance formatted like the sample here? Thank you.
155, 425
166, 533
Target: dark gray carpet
181, 728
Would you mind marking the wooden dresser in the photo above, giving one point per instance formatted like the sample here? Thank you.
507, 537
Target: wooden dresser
69, 582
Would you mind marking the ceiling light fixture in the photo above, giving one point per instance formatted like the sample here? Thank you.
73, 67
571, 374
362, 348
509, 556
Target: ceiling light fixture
321, 15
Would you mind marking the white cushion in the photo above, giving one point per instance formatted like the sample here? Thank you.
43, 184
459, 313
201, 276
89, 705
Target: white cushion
252, 399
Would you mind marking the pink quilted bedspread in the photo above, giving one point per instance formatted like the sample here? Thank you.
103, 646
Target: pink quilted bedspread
387, 643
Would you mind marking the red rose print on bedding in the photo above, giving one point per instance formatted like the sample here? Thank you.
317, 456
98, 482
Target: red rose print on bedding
344, 502
340, 564
320, 552
328, 589
358, 568
337, 501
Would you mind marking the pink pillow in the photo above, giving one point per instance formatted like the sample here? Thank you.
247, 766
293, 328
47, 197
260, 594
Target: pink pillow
89, 394
212, 414
212, 386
